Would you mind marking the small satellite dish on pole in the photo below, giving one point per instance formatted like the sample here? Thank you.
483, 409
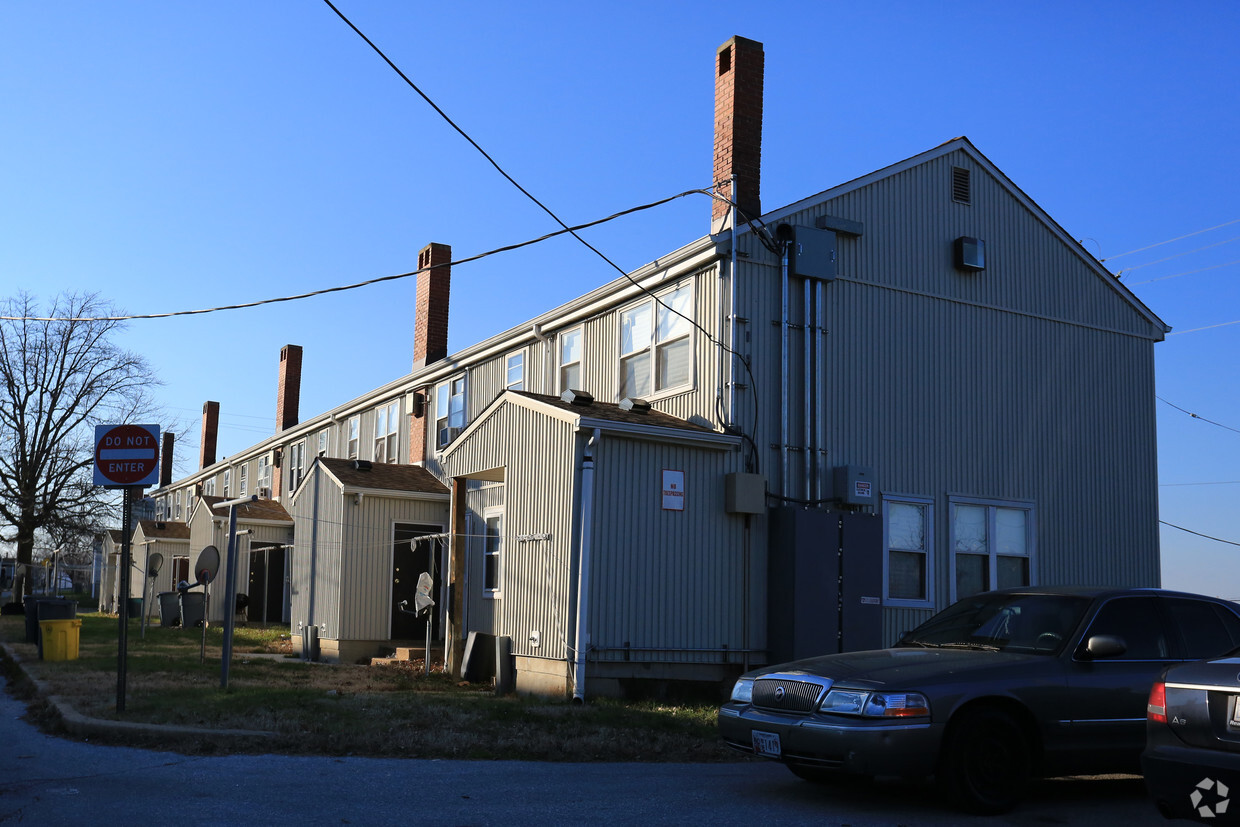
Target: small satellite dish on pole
154, 563
208, 564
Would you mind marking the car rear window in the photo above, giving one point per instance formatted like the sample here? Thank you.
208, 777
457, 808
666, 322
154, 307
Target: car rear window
1206, 629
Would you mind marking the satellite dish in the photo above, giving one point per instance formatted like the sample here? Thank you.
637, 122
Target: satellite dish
154, 563
208, 564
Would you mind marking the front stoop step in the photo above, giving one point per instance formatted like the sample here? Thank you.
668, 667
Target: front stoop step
406, 654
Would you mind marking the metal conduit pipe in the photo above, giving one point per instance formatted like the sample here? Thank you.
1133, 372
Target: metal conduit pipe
820, 424
783, 373
732, 418
809, 392
582, 636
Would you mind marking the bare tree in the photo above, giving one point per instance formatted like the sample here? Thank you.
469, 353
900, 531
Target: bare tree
61, 373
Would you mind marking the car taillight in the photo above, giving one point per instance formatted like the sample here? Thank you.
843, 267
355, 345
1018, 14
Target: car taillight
1156, 709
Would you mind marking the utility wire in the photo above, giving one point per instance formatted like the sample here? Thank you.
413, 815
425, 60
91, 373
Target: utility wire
1198, 533
1170, 240
1178, 255
1196, 416
1185, 273
356, 285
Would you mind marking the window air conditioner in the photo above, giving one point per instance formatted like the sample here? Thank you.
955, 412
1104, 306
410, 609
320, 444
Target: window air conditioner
264, 493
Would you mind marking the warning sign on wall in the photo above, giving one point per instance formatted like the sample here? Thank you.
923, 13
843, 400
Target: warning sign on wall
673, 490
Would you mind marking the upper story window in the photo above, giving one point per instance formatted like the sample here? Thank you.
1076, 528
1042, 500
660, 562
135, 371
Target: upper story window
449, 410
514, 376
355, 428
322, 443
176, 505
208, 488
242, 482
227, 482
570, 359
387, 439
161, 509
992, 546
656, 352
264, 475
296, 461
189, 502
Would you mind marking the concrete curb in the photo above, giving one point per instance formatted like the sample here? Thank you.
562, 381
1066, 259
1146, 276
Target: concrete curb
78, 724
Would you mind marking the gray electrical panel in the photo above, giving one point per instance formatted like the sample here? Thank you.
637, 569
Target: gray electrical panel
811, 253
853, 486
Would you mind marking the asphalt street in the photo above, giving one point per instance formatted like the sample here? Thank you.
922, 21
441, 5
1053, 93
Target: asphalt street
51, 780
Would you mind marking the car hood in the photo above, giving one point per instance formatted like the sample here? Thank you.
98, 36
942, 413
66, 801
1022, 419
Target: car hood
906, 668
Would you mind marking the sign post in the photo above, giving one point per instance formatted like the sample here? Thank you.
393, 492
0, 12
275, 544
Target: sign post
126, 457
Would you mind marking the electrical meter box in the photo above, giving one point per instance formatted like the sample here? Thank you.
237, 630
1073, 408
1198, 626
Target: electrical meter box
855, 486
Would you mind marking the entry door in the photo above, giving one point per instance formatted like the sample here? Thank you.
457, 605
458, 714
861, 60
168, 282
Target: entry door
266, 584
409, 561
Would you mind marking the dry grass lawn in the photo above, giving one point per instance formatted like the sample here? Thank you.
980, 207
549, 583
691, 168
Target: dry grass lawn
343, 709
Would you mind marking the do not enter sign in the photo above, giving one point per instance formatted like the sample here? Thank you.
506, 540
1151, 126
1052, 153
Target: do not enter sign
126, 455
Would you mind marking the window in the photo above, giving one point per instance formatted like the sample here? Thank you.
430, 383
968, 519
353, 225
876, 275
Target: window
296, 461
908, 530
491, 549
227, 481
355, 429
1136, 620
655, 347
189, 503
242, 483
570, 360
161, 508
387, 440
176, 505
449, 410
322, 443
992, 546
514, 378
264, 474
208, 488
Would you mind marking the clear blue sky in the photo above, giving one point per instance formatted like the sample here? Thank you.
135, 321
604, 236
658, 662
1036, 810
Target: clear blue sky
176, 156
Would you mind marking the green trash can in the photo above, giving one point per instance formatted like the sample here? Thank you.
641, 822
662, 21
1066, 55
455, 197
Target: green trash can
135, 608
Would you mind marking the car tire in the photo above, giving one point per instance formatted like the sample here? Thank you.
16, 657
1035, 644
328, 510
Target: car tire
985, 762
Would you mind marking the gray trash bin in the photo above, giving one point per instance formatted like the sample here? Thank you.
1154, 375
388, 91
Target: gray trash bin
169, 609
193, 606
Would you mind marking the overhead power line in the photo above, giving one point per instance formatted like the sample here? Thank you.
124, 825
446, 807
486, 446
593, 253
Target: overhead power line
1170, 240
1179, 255
1186, 273
1197, 416
1198, 533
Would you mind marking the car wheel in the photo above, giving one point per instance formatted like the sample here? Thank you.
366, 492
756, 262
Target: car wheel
985, 761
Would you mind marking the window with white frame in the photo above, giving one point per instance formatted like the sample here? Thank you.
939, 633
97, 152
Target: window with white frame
387, 440
176, 505
227, 481
161, 508
242, 482
656, 352
492, 549
449, 410
208, 487
514, 375
322, 443
570, 359
908, 565
992, 545
355, 432
264, 474
189, 503
296, 463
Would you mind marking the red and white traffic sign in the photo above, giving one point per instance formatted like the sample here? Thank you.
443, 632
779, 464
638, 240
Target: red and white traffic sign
126, 455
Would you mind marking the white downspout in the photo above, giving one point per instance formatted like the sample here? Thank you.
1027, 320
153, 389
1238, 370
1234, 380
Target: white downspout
732, 290
582, 637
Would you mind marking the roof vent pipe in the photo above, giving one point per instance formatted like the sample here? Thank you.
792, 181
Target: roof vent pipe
640, 406
576, 397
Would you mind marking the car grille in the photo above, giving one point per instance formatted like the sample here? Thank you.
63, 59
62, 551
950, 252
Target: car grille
783, 695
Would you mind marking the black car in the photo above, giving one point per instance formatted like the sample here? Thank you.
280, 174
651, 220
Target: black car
993, 690
1192, 753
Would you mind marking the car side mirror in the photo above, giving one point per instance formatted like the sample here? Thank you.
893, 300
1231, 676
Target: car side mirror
1103, 646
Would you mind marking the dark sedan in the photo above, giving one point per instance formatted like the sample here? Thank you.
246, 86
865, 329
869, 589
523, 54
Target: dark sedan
1192, 754
991, 691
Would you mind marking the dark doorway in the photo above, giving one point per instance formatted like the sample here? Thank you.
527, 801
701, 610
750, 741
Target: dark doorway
266, 584
409, 560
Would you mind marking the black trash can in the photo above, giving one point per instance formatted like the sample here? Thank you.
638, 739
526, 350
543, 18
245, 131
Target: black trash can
193, 609
47, 608
169, 609
135, 608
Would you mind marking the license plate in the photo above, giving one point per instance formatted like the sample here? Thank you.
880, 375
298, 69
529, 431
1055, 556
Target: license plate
766, 744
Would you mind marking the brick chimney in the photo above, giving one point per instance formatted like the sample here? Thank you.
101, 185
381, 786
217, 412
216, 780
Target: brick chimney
430, 320
165, 460
288, 389
739, 67
210, 433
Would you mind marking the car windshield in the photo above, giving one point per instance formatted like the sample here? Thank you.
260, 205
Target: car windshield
1036, 623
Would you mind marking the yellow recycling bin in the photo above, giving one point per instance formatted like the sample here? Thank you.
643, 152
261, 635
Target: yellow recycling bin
60, 638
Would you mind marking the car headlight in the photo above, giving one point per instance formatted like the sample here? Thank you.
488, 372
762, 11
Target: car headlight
865, 704
742, 691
